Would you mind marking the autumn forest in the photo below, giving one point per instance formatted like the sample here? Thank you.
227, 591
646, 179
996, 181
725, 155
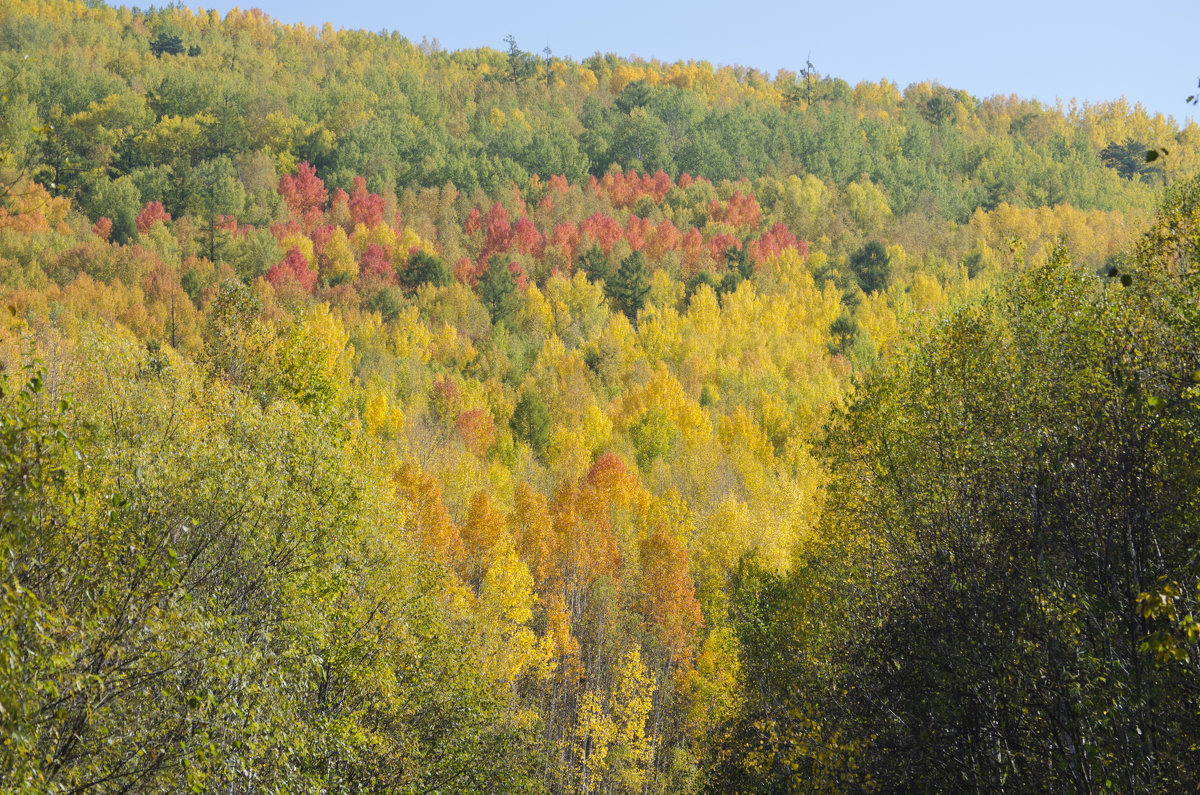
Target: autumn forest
376, 418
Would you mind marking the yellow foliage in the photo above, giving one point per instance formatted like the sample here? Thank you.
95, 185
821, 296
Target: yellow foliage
175, 137
381, 234
508, 647
411, 338
298, 240
611, 739
339, 263
382, 419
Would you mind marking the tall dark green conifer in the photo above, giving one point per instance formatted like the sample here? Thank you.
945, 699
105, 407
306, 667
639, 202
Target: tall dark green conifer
498, 289
631, 285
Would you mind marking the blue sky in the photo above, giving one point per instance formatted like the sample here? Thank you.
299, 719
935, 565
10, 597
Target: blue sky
1092, 51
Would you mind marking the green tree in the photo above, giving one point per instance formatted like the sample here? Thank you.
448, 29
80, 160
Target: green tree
166, 44
999, 500
871, 267
630, 285
595, 264
498, 289
531, 421
424, 268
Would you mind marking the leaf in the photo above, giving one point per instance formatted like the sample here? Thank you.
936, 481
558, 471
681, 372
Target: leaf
1151, 156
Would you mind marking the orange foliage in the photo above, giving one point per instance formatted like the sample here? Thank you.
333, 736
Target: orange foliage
429, 520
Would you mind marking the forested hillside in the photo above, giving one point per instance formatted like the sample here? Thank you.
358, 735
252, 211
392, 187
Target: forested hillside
376, 418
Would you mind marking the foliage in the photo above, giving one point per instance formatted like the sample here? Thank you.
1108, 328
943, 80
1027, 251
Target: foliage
975, 613
449, 421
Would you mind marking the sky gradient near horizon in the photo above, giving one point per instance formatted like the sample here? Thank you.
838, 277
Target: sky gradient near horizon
1092, 52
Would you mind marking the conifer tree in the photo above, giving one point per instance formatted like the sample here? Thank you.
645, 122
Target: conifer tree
498, 289
630, 285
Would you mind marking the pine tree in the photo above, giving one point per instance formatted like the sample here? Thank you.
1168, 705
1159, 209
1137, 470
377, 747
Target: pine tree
498, 289
630, 285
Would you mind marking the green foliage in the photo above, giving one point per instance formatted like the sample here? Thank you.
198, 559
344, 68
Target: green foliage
630, 285
238, 345
531, 421
974, 620
246, 622
498, 289
1131, 160
871, 267
424, 268
652, 437
595, 265
166, 44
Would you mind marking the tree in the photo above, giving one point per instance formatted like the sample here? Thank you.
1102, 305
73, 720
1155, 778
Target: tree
498, 289
595, 264
531, 421
1129, 159
521, 65
1000, 498
166, 44
424, 268
630, 285
871, 267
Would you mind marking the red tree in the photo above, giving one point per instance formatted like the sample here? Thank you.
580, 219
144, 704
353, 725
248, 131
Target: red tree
294, 267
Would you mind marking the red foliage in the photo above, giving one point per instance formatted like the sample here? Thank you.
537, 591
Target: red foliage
636, 231
692, 248
611, 474
289, 227
229, 224
665, 238
773, 243
320, 238
498, 234
527, 238
375, 265
294, 267
472, 224
565, 238
601, 229
559, 183
661, 185
464, 271
103, 227
623, 190
151, 214
303, 192
477, 429
740, 211
365, 208
720, 242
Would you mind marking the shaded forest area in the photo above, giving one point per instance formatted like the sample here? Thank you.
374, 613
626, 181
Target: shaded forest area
376, 418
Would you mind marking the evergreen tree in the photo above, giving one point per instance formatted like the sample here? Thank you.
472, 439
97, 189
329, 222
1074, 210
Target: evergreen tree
630, 285
595, 264
424, 268
531, 421
871, 266
498, 289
